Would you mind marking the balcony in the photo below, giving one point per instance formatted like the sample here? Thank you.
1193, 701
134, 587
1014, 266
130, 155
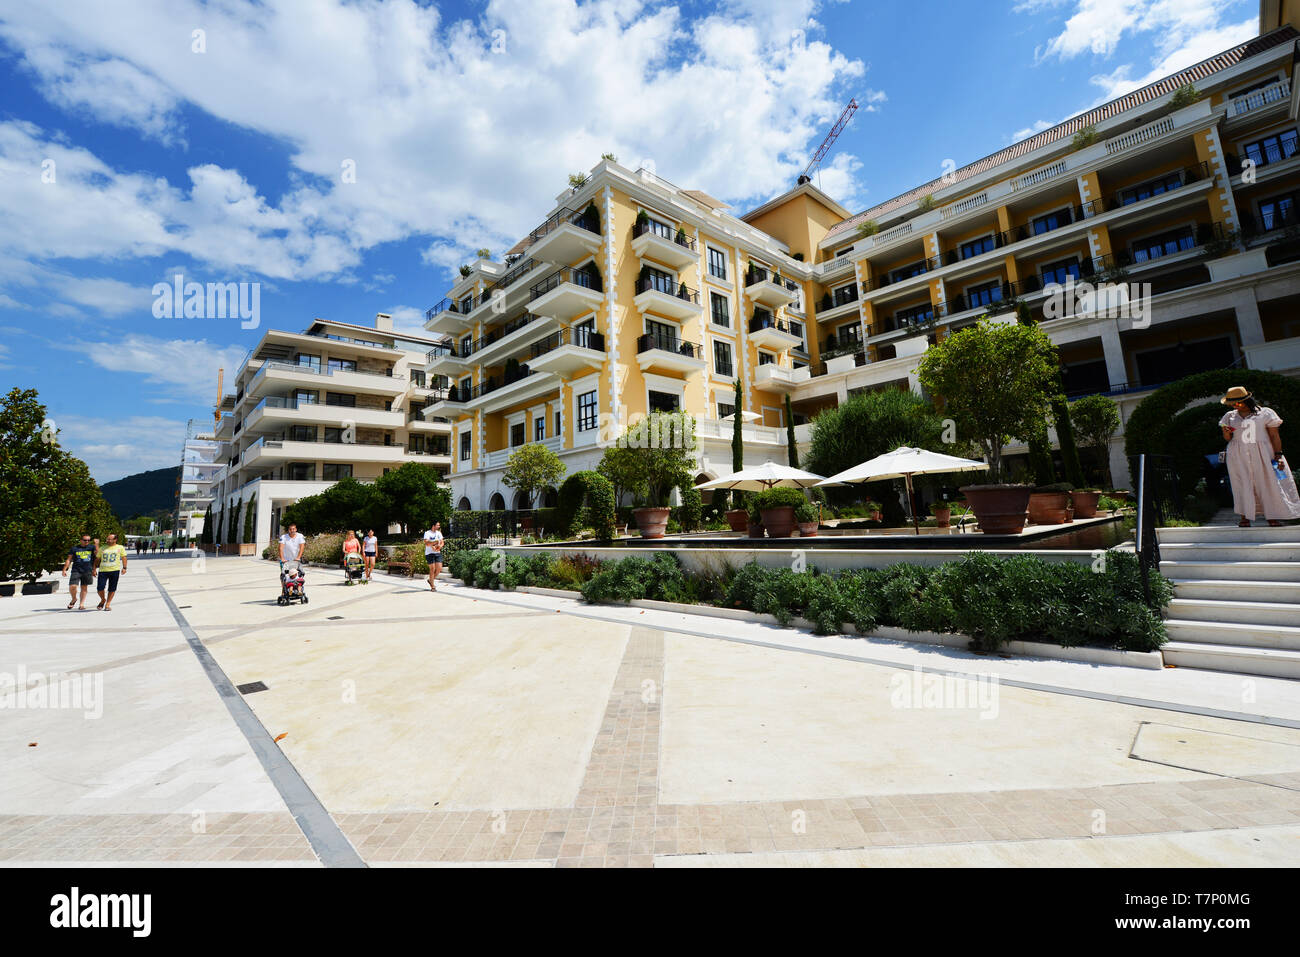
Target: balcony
770, 288
494, 394
659, 243
1273, 98
447, 403
286, 376
498, 343
843, 302
567, 352
775, 378
447, 317
772, 333
268, 452
667, 297
567, 294
276, 412
668, 353
565, 237
497, 458
1280, 355
449, 360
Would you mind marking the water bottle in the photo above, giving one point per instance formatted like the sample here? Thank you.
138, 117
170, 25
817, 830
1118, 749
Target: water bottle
1278, 470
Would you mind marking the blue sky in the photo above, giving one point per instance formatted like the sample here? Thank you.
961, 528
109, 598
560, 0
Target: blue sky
220, 155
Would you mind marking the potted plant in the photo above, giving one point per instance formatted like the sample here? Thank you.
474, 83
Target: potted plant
776, 507
1085, 502
996, 380
1050, 504
753, 520
874, 511
655, 456
805, 516
942, 512
738, 517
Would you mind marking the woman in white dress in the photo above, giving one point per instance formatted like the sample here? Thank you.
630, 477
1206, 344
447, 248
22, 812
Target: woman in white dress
1254, 459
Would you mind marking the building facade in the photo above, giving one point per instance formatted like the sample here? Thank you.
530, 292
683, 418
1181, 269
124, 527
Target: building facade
201, 460
335, 401
634, 295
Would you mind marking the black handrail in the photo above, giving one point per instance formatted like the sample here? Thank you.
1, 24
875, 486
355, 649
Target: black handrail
579, 218
582, 336
663, 230
655, 340
756, 274
586, 277
768, 321
669, 287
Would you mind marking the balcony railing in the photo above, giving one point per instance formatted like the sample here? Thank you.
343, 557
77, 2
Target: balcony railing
765, 320
314, 370
579, 277
514, 274
757, 274
1253, 101
655, 340
663, 230
669, 287
447, 305
580, 218
582, 336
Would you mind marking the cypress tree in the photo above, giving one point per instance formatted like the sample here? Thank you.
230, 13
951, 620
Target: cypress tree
789, 434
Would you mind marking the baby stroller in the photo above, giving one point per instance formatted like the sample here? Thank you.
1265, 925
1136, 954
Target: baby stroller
354, 570
292, 584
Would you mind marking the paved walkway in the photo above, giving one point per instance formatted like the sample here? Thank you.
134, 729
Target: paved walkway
470, 727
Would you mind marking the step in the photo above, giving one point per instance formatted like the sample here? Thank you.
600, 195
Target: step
1231, 551
1237, 634
1270, 662
1236, 610
1216, 589
1232, 571
1225, 534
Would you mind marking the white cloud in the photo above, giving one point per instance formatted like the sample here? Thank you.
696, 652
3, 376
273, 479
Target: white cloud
1036, 127
408, 319
113, 447
184, 370
465, 130
1197, 48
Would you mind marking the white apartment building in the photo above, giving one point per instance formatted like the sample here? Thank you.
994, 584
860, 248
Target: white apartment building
335, 401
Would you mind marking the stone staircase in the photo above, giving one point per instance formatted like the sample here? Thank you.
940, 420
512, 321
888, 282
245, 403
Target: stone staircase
1236, 604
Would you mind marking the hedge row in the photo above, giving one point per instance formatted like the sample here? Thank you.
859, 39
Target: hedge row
994, 600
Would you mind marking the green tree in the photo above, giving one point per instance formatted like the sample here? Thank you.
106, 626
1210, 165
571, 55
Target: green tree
345, 504
657, 454
867, 425
996, 380
412, 497
205, 536
622, 467
1097, 419
792, 447
532, 468
737, 447
47, 496
219, 534
250, 511
1064, 428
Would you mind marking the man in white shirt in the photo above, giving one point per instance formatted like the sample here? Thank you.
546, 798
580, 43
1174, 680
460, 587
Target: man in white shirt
433, 553
291, 545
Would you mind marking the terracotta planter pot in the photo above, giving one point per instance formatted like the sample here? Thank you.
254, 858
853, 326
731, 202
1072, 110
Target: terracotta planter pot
942, 517
779, 522
877, 516
999, 509
738, 519
1048, 508
651, 521
1085, 504
807, 529
755, 531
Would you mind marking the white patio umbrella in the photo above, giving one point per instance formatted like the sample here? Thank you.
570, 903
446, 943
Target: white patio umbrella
765, 476
744, 417
903, 463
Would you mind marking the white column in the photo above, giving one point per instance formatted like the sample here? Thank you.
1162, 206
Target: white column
1248, 324
1113, 349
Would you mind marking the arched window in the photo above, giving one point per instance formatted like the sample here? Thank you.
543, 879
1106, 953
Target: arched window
706, 494
550, 498
520, 501
496, 503
463, 505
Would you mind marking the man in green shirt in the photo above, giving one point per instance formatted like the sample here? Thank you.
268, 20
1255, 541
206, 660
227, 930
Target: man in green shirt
111, 562
81, 560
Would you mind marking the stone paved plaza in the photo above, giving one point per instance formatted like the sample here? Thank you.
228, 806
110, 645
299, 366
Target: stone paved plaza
401, 727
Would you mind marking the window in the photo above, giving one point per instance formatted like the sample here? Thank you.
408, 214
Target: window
725, 409
466, 343
849, 335
466, 304
464, 446
722, 358
557, 422
664, 335
907, 272
341, 399
516, 434
1058, 271
1166, 244
466, 387
309, 362
539, 428
796, 329
844, 295
417, 378
332, 473
766, 358
1278, 212
664, 402
984, 294
302, 433
342, 365
1153, 188
300, 472
304, 397
976, 247
914, 316
587, 411
719, 310
1272, 148
334, 436
717, 263
657, 280
1045, 224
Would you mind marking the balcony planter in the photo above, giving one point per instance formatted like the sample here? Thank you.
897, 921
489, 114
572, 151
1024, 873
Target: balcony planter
1049, 508
652, 521
1085, 503
738, 519
38, 588
999, 509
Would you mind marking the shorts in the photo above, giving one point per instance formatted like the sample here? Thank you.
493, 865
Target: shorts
81, 576
433, 558
370, 554
108, 581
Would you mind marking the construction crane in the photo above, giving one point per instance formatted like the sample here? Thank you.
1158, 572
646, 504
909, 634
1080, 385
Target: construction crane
216, 412
831, 137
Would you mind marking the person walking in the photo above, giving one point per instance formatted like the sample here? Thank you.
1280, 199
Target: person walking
369, 550
81, 561
1261, 479
291, 545
433, 553
111, 562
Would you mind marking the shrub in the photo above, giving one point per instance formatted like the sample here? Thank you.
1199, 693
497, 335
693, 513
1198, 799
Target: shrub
692, 507
660, 579
574, 571
325, 549
598, 494
779, 498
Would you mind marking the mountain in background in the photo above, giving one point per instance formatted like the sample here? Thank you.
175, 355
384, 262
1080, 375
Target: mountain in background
143, 493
